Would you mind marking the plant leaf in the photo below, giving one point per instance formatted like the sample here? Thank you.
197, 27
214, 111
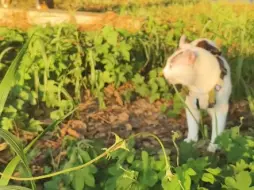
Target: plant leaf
13, 187
9, 77
17, 147
14, 162
208, 177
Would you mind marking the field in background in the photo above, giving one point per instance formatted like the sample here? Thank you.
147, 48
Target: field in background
112, 76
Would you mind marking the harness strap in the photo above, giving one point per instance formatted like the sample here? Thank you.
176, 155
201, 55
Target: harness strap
197, 103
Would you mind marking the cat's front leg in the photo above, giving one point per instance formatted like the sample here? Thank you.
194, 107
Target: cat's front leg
219, 117
193, 117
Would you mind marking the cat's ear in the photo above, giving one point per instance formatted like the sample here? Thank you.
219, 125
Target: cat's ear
190, 56
182, 41
185, 57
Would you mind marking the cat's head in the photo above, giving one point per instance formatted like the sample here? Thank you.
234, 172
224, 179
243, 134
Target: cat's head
179, 68
192, 65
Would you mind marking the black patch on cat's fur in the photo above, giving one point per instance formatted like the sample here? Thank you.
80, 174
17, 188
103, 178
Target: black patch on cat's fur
215, 51
205, 45
222, 67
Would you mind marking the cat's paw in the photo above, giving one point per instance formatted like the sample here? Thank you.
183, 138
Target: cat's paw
212, 147
188, 140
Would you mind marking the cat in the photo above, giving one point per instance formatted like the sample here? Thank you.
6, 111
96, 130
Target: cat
200, 67
40, 4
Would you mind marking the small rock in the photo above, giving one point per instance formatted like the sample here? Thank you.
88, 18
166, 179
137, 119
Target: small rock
146, 144
128, 127
100, 135
122, 117
112, 118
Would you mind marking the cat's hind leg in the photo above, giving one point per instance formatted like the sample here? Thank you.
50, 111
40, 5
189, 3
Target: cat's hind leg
219, 117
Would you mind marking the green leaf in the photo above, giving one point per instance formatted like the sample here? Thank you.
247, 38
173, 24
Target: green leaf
235, 131
89, 180
56, 114
79, 180
18, 148
53, 184
202, 188
98, 40
145, 157
85, 156
153, 74
19, 104
9, 77
110, 35
154, 87
124, 48
138, 79
35, 125
12, 35
103, 49
154, 96
7, 123
190, 172
9, 169
143, 90
173, 184
47, 169
11, 112
115, 170
161, 82
127, 179
243, 180
24, 95
130, 158
230, 182
106, 78
240, 166
214, 171
208, 177
13, 187
111, 183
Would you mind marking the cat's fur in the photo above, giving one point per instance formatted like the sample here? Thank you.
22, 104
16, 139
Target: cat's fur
199, 66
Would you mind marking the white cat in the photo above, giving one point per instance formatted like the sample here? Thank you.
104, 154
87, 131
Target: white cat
200, 67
